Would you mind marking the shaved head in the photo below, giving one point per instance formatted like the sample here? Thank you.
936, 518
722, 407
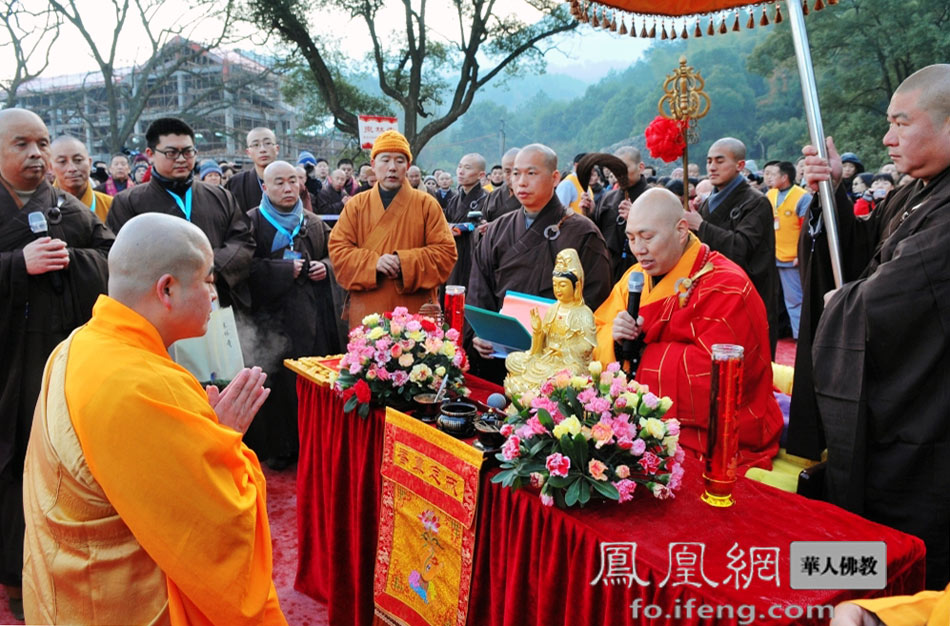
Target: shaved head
476, 160
510, 156
629, 155
282, 185
24, 149
731, 145
278, 168
67, 142
549, 156
148, 247
933, 84
657, 231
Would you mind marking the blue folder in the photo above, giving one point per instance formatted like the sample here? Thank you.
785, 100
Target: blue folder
505, 333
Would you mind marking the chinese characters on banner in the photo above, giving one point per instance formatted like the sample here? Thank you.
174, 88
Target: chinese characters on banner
372, 126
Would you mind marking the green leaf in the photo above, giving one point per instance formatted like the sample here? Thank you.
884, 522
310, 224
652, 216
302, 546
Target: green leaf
605, 489
500, 476
567, 447
545, 418
363, 410
585, 492
538, 446
350, 404
573, 492
580, 446
558, 482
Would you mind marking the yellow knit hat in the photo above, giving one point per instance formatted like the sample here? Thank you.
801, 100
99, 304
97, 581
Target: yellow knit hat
391, 141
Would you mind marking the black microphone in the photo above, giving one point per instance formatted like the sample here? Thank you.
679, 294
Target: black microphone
40, 228
631, 347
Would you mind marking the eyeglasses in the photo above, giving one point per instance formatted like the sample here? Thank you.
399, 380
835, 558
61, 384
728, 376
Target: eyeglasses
261, 144
172, 154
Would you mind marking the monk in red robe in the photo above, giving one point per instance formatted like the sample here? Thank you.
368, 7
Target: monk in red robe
142, 505
391, 246
692, 298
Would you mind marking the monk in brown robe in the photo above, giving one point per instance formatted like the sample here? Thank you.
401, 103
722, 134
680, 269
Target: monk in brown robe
392, 246
48, 284
245, 186
518, 249
502, 199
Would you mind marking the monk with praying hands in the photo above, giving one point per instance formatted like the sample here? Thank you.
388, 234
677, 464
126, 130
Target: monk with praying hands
391, 246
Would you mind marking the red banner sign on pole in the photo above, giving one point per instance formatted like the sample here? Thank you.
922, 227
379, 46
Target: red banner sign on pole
372, 126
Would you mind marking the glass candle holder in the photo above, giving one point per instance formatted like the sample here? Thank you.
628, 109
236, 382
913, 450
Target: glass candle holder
722, 445
455, 308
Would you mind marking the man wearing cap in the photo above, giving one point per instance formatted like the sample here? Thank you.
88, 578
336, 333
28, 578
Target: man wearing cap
262, 149
851, 166
210, 172
71, 164
392, 246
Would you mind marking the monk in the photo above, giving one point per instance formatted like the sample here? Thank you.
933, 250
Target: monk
49, 281
679, 322
502, 199
71, 165
391, 246
142, 504
173, 190
292, 305
518, 250
470, 198
245, 186
881, 350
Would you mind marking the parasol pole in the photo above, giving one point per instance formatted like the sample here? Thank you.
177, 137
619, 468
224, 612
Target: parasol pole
813, 115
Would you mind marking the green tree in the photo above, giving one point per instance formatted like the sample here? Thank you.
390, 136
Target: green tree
418, 70
862, 50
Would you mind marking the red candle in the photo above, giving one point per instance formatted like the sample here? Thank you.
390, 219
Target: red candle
455, 308
722, 445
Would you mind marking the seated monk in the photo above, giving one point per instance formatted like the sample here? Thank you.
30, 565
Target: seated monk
692, 298
566, 338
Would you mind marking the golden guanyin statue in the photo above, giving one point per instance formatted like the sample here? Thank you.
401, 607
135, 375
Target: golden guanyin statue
566, 337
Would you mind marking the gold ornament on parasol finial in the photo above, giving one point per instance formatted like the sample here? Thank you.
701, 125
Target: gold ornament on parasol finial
684, 100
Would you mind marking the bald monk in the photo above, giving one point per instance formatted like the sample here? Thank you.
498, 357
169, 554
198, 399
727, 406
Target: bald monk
291, 304
679, 323
71, 165
391, 246
502, 199
48, 284
142, 504
470, 198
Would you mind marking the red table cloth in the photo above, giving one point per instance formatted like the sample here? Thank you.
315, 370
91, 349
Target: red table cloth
534, 565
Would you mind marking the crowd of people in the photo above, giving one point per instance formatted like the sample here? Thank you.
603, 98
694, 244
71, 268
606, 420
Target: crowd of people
100, 279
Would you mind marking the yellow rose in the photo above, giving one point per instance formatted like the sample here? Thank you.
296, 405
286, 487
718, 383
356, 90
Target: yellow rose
448, 349
570, 426
595, 367
417, 335
371, 320
579, 382
376, 333
655, 427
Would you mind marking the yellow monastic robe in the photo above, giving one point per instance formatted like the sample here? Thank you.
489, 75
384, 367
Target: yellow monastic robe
99, 202
414, 228
927, 608
140, 507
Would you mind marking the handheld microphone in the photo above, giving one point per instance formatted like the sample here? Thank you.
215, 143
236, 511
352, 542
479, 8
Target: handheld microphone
497, 402
41, 229
631, 347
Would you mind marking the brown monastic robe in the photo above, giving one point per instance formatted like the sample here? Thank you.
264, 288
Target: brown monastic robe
412, 227
246, 188
500, 201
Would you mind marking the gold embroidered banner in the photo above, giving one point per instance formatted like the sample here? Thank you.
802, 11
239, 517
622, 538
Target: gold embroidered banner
426, 525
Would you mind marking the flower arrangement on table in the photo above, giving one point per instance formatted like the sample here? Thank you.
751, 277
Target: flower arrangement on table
597, 436
395, 356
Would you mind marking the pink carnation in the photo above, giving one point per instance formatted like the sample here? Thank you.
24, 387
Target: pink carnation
547, 500
602, 433
639, 447
452, 335
413, 326
535, 427
537, 480
506, 430
558, 464
617, 387
613, 367
621, 402
383, 374
676, 476
355, 368
673, 427
547, 387
400, 378
662, 492
622, 471
512, 448
649, 462
651, 401
626, 489
587, 395
597, 469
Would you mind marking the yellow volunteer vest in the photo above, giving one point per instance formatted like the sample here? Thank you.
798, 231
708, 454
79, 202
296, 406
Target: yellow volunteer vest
576, 205
788, 223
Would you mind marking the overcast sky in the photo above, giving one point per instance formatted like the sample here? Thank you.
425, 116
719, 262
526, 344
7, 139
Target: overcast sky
587, 55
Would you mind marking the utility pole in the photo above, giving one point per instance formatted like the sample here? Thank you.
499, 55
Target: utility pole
501, 132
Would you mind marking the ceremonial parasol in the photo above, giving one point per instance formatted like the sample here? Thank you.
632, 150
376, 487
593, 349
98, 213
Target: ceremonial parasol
672, 19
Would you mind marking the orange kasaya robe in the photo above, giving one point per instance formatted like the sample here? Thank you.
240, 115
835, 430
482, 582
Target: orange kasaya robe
414, 228
927, 608
140, 507
723, 307
98, 202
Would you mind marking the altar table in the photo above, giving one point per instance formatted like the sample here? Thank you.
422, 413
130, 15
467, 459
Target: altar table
534, 565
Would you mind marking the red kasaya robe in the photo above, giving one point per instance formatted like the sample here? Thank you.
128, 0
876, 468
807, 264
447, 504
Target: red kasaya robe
414, 228
679, 332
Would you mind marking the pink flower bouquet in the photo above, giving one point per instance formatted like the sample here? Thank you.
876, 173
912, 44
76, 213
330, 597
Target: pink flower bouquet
597, 436
395, 356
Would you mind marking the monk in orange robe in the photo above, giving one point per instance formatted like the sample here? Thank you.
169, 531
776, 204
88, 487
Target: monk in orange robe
142, 505
391, 246
927, 608
692, 298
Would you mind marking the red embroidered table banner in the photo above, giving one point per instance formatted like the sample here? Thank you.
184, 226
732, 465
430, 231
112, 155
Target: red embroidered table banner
426, 525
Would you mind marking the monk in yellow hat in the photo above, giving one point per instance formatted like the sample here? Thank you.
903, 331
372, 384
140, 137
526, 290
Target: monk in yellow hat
142, 505
391, 246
